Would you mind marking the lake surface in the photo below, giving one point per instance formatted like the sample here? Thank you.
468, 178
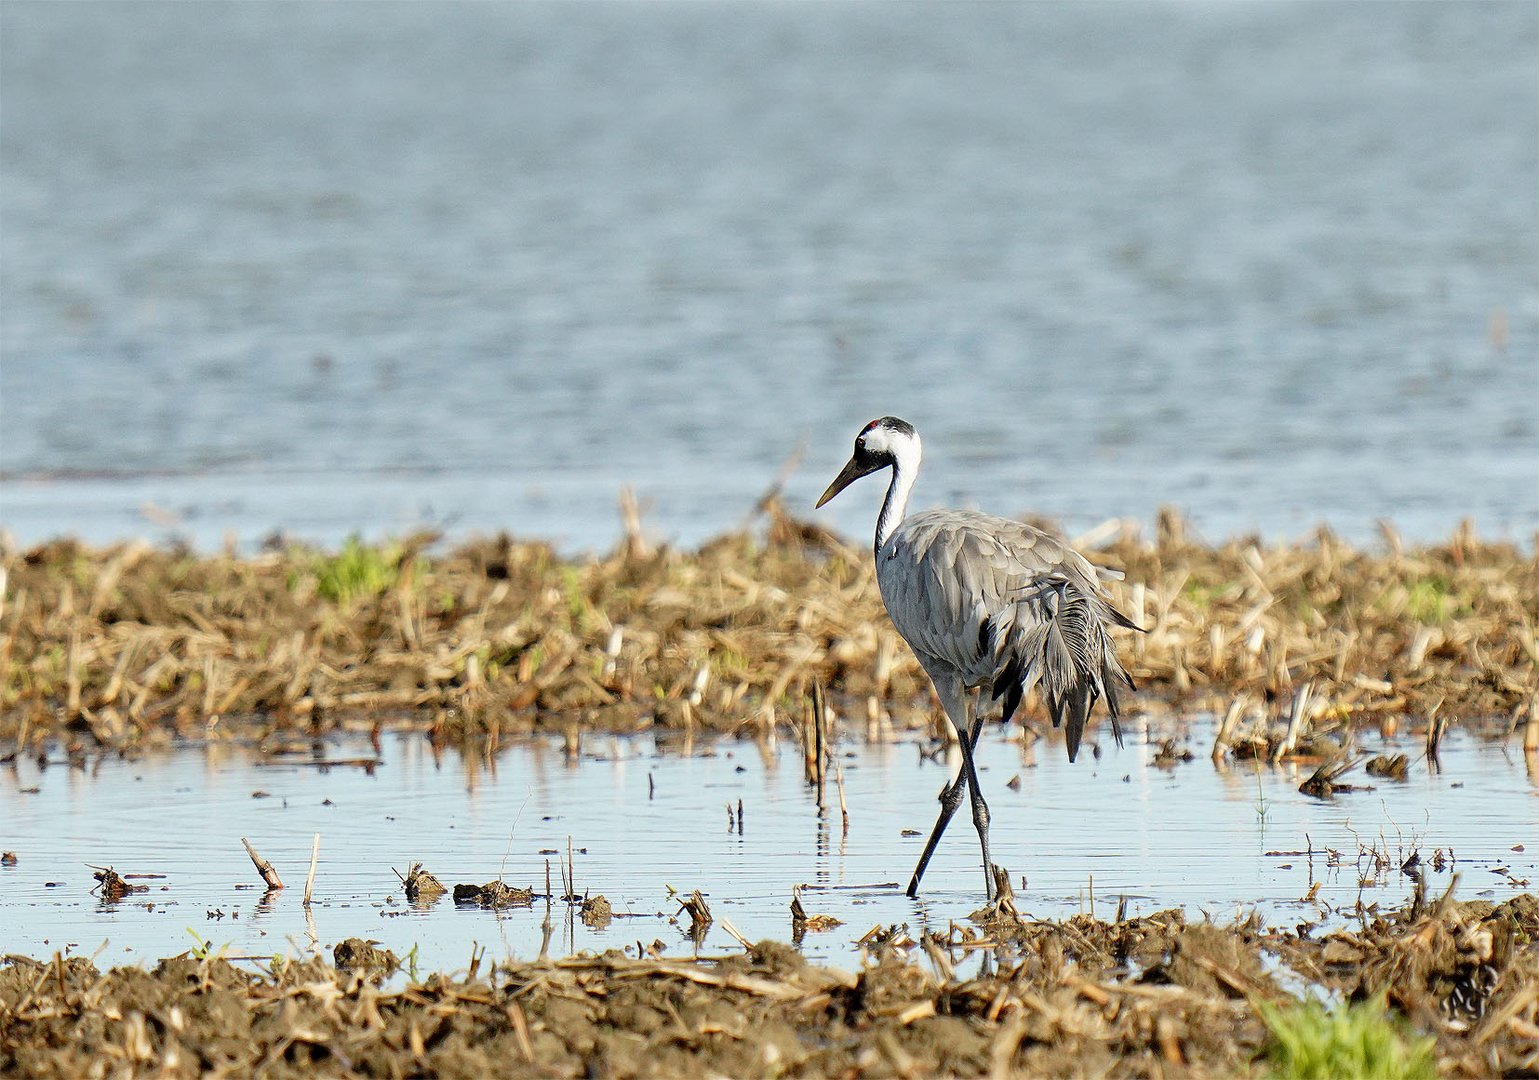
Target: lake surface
647, 818
349, 268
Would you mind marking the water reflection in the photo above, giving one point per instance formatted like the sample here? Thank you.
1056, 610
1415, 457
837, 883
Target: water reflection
644, 825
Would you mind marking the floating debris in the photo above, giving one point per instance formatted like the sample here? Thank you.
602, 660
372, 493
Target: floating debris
802, 922
1322, 783
113, 887
886, 937
699, 913
420, 886
1389, 766
596, 912
494, 894
1169, 755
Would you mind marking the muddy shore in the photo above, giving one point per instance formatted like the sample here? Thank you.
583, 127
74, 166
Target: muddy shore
1153, 996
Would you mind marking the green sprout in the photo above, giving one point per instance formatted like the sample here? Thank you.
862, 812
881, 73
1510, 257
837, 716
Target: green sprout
1363, 1040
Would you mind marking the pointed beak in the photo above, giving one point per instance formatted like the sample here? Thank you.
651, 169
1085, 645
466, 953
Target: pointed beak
851, 472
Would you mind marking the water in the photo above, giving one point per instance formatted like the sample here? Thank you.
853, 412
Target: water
337, 268
646, 818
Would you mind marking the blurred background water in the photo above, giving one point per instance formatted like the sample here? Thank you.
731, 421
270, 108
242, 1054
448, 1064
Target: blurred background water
362, 268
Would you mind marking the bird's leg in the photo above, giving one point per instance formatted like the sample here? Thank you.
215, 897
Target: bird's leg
950, 796
980, 819
950, 799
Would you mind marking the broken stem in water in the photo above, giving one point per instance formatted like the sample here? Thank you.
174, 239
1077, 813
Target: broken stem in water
265, 868
315, 854
816, 767
844, 809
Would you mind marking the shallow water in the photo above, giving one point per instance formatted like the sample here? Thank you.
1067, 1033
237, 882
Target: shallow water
646, 818
337, 268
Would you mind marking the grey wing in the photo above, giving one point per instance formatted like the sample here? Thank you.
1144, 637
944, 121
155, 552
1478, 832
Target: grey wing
1013, 608
942, 579
948, 576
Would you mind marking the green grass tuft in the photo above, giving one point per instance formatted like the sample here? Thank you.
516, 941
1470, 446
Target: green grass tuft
1263, 807
1364, 1040
1433, 600
357, 571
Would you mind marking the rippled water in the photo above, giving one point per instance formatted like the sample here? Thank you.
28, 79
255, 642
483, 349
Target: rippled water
336, 268
647, 817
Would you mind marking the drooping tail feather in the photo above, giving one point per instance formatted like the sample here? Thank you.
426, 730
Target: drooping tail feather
1062, 647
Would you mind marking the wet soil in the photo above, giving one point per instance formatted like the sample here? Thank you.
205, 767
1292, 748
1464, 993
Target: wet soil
1291, 645
1153, 996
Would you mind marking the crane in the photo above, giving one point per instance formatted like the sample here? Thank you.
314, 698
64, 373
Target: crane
989, 603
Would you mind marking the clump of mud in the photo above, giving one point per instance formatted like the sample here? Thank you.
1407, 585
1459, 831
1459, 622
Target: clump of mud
132, 643
420, 886
597, 912
112, 885
1151, 996
357, 953
494, 894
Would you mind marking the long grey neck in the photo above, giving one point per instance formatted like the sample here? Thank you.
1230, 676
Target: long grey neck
903, 474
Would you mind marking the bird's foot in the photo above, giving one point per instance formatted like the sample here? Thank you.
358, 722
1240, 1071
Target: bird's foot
1002, 902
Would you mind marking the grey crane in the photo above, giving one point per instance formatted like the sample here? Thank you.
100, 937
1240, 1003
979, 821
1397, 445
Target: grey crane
986, 603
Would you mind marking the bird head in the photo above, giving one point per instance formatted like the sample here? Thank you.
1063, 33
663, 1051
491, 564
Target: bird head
879, 444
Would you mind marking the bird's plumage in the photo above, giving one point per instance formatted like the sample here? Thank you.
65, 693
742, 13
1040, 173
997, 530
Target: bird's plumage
987, 603
1006, 607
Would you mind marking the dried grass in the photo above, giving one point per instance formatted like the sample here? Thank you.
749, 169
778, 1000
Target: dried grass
131, 644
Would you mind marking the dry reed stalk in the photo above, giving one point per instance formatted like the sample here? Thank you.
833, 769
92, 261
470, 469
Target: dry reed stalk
1226, 727
1296, 720
315, 854
726, 924
569, 874
520, 1024
72, 685
636, 546
1435, 725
